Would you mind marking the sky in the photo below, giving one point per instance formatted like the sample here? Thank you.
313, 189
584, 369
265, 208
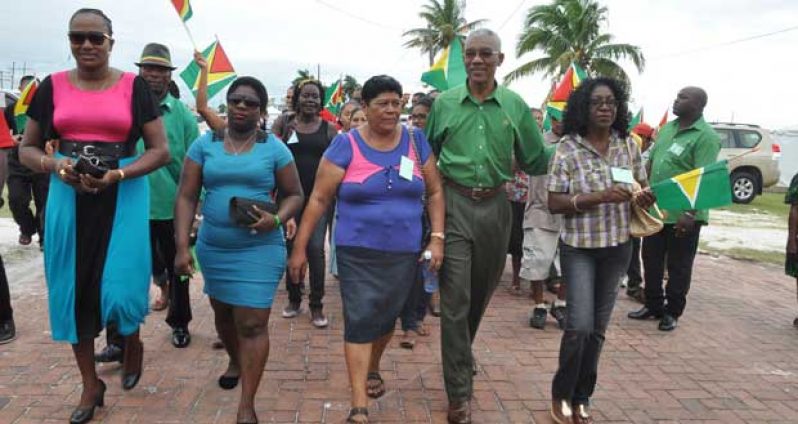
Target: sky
685, 42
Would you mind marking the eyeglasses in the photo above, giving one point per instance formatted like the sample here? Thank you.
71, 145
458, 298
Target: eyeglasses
248, 102
609, 102
483, 54
96, 38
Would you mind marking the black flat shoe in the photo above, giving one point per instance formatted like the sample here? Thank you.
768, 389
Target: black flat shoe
644, 313
228, 382
668, 323
84, 415
130, 378
110, 353
180, 337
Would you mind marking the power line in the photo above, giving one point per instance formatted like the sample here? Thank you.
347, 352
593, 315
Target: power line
353, 16
728, 43
517, 8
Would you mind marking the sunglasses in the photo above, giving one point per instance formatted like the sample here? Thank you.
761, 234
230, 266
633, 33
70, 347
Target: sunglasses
246, 101
96, 38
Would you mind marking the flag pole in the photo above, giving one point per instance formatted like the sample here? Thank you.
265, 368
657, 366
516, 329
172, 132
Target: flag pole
741, 155
188, 32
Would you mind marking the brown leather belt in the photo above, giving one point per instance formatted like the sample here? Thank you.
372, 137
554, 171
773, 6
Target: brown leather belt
475, 193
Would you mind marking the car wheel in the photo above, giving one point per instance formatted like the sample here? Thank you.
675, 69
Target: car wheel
744, 187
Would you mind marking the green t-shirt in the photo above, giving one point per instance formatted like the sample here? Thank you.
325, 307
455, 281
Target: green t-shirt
476, 141
678, 151
181, 130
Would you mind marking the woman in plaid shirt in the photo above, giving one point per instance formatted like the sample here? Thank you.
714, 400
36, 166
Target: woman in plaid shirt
590, 183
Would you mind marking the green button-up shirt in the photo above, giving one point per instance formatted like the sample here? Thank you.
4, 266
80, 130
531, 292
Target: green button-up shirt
678, 151
181, 130
476, 141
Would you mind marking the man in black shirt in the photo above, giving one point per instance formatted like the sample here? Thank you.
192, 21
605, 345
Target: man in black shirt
24, 183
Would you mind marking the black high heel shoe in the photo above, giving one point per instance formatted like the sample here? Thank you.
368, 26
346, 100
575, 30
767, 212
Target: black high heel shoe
131, 379
84, 415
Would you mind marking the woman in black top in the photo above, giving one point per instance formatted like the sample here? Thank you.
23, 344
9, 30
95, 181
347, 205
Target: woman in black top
307, 136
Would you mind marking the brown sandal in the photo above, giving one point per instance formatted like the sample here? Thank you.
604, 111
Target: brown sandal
375, 391
353, 412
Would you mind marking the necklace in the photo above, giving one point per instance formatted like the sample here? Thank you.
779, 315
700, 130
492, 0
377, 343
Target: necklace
236, 152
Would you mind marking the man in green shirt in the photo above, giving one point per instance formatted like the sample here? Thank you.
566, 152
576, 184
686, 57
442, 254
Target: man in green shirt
155, 67
476, 130
682, 145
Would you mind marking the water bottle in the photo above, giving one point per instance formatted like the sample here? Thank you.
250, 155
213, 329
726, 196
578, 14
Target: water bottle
430, 276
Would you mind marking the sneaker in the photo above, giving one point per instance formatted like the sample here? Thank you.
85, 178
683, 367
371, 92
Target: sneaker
558, 312
291, 310
7, 332
318, 318
538, 318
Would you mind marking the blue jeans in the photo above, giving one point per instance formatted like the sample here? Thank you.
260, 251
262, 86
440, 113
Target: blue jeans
593, 277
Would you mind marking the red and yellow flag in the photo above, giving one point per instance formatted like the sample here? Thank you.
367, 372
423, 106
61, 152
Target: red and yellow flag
664, 120
183, 8
21, 107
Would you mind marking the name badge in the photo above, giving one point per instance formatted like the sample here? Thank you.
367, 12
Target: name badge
406, 167
676, 149
622, 175
293, 139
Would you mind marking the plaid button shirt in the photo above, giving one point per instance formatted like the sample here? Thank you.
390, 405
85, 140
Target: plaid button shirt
578, 168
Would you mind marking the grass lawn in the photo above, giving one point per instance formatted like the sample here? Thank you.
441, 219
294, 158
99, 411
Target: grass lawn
746, 254
768, 203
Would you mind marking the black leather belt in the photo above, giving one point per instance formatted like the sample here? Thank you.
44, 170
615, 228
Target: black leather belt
101, 149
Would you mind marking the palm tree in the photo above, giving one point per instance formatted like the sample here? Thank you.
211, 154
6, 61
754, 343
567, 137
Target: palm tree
444, 21
302, 74
350, 84
567, 31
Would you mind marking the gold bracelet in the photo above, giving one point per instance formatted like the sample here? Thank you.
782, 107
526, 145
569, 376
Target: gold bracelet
41, 163
121, 174
573, 203
440, 236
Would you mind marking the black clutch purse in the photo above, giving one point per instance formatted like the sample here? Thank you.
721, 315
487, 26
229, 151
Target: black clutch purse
91, 165
241, 210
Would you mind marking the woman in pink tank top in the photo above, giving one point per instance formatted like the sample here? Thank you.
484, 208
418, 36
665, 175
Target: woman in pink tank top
97, 251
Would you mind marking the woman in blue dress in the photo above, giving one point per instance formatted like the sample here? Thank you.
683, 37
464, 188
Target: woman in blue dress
241, 265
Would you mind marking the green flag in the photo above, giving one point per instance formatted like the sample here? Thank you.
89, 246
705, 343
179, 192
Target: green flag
449, 70
703, 188
220, 71
638, 118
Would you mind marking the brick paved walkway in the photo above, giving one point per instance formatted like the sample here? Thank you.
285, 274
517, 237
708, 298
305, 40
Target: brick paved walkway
733, 359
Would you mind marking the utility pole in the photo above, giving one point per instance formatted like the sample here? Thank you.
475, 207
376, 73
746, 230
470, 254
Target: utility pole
318, 71
13, 68
24, 68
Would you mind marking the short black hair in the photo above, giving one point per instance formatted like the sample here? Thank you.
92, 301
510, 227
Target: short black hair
254, 84
425, 101
98, 12
25, 80
298, 89
379, 84
577, 111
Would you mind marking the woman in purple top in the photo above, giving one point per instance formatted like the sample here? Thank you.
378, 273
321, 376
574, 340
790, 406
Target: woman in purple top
379, 173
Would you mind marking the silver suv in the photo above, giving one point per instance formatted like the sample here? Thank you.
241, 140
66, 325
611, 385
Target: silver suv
751, 173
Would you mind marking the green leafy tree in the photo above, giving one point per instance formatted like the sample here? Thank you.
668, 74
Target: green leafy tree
444, 21
566, 31
350, 84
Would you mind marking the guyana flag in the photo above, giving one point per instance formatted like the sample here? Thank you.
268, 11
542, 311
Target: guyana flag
220, 71
637, 119
21, 106
702, 188
449, 70
183, 8
574, 76
334, 98
664, 120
